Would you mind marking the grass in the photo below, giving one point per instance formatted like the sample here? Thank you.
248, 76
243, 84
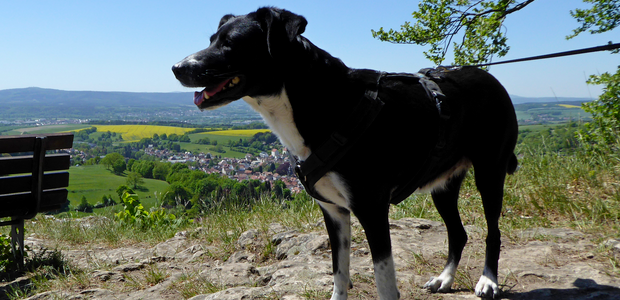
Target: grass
579, 191
93, 182
192, 284
236, 133
46, 129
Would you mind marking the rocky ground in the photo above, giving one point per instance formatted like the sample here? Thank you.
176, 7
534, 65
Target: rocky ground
535, 264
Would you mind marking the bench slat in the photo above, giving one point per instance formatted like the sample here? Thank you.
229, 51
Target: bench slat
23, 164
25, 143
23, 183
15, 204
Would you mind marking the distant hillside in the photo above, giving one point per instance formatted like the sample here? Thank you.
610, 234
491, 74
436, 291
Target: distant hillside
38, 96
37, 103
521, 100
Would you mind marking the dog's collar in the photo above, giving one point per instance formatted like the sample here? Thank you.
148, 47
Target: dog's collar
323, 158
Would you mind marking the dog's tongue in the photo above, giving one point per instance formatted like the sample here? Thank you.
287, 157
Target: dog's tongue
199, 97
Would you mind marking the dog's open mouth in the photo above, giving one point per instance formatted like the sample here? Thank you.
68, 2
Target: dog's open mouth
208, 93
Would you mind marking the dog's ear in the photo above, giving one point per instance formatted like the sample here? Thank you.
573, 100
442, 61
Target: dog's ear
282, 27
225, 19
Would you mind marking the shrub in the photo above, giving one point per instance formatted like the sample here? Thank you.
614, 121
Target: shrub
136, 216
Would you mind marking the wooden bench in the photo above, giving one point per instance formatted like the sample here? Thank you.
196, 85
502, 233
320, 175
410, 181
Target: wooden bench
30, 181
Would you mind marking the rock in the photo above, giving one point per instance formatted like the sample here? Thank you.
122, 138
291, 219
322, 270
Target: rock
291, 245
129, 267
248, 240
278, 238
562, 233
563, 264
275, 228
108, 276
241, 256
231, 275
97, 293
613, 244
169, 248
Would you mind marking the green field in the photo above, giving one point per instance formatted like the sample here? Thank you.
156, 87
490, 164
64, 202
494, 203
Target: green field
550, 112
95, 181
221, 137
46, 129
133, 133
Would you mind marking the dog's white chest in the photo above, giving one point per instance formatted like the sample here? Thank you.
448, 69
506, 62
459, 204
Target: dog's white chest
278, 114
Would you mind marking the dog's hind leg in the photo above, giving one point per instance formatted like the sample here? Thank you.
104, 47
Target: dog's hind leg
338, 223
446, 203
374, 219
490, 183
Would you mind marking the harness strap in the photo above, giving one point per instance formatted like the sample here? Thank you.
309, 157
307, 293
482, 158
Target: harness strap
323, 158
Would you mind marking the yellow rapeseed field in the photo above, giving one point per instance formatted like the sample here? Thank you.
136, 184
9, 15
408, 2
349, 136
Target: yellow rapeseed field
569, 106
238, 133
132, 133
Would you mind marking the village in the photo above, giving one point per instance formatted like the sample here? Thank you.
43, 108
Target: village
239, 169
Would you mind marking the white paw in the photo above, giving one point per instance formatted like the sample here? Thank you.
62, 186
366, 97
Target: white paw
441, 284
487, 288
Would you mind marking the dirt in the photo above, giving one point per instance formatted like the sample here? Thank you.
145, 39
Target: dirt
537, 263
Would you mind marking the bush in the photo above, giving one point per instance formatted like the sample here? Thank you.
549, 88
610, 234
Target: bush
84, 206
134, 214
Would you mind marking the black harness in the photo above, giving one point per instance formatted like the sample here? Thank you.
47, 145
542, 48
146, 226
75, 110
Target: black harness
323, 158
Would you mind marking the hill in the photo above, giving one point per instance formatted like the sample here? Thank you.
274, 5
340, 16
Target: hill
521, 100
39, 103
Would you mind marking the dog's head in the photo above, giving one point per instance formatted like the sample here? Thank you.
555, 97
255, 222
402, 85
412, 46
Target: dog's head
243, 58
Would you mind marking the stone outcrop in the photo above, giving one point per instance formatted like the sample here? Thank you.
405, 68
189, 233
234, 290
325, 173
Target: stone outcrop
543, 264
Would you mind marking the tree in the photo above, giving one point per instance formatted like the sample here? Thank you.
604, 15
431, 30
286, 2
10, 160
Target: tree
84, 206
130, 163
438, 22
119, 166
110, 159
176, 194
479, 24
161, 171
134, 179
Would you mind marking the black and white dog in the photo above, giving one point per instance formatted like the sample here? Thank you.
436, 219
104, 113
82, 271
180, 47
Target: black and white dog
338, 117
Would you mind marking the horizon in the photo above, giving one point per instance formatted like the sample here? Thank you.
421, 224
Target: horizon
120, 46
191, 92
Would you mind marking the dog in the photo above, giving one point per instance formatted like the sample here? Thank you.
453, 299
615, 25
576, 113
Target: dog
338, 117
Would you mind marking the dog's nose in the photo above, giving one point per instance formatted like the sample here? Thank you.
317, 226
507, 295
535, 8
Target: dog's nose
176, 67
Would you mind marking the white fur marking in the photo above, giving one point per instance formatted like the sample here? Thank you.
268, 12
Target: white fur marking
385, 277
278, 114
441, 181
487, 285
443, 282
341, 276
333, 188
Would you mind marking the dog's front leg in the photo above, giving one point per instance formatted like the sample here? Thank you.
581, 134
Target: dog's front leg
374, 219
338, 223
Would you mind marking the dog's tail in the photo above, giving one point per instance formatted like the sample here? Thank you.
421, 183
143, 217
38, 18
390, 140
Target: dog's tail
513, 165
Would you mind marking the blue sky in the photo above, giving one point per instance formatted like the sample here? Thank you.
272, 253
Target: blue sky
131, 45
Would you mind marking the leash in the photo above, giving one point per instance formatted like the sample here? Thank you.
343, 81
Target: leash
607, 47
